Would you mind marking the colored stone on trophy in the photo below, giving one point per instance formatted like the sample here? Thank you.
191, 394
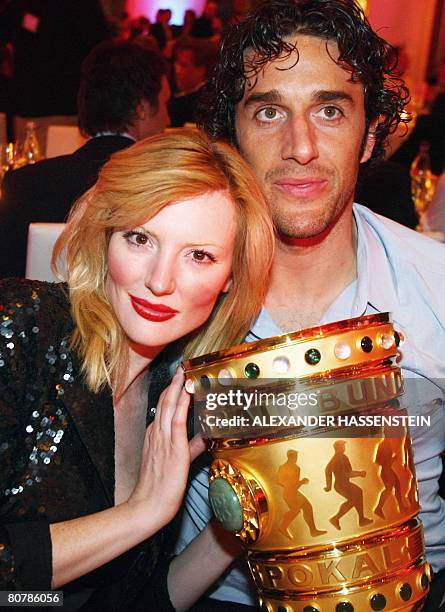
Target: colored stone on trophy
342, 350
424, 581
312, 356
310, 609
406, 591
225, 505
397, 338
386, 341
344, 606
281, 365
378, 602
205, 382
225, 377
252, 370
366, 344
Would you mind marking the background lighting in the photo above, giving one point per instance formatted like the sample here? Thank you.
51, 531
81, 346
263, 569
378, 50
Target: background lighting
149, 8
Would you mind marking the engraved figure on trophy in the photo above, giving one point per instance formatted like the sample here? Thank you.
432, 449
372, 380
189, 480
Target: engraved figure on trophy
385, 457
340, 467
288, 477
412, 494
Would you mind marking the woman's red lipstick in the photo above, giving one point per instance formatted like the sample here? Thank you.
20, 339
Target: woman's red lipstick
152, 312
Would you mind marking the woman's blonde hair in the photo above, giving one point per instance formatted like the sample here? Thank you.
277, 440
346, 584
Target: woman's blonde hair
133, 187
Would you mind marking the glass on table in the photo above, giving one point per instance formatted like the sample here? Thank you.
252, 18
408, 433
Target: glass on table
7, 157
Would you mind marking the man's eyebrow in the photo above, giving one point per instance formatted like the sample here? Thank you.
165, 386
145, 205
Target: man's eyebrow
273, 95
327, 95
322, 95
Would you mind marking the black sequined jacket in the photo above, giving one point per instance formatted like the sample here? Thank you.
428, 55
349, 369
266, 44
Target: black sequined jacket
57, 457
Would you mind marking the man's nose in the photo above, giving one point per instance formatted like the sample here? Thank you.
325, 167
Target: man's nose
300, 142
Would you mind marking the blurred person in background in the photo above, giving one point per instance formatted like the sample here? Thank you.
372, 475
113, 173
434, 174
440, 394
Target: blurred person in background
209, 24
386, 189
436, 85
433, 219
194, 60
431, 129
139, 27
161, 29
189, 20
50, 40
239, 10
6, 101
123, 98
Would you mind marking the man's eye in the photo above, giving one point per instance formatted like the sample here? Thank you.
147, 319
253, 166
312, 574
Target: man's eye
331, 112
267, 114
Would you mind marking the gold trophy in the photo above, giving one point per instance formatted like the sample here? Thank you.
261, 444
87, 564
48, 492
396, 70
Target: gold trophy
327, 508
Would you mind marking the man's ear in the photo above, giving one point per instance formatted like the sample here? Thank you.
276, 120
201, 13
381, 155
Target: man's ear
370, 141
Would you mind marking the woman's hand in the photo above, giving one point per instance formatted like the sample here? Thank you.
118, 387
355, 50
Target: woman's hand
167, 454
85, 543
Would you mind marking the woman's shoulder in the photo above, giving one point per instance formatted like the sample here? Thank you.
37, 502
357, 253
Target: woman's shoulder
23, 293
30, 308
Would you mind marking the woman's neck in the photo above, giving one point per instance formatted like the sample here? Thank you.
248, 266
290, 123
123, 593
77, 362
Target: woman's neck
139, 361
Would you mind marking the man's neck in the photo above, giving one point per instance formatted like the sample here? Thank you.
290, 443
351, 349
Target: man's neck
307, 278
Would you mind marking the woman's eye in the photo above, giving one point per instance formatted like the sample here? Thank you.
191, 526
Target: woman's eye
135, 237
202, 256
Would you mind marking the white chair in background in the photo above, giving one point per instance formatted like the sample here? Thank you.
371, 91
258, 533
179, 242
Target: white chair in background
63, 139
41, 240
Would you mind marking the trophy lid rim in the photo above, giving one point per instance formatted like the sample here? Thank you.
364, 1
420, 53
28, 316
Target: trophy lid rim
287, 339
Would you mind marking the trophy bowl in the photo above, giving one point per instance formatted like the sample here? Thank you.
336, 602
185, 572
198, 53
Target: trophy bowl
313, 468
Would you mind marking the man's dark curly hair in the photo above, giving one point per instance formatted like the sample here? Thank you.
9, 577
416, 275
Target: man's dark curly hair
267, 31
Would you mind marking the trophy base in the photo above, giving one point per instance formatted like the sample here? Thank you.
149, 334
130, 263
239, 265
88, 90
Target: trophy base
405, 592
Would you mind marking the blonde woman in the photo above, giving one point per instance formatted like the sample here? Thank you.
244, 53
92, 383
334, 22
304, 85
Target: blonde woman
174, 226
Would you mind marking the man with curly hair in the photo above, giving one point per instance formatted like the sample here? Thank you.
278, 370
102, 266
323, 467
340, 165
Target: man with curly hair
307, 91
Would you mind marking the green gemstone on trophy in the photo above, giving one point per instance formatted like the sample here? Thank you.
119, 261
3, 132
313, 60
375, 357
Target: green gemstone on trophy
424, 581
225, 505
406, 591
378, 602
312, 356
252, 370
